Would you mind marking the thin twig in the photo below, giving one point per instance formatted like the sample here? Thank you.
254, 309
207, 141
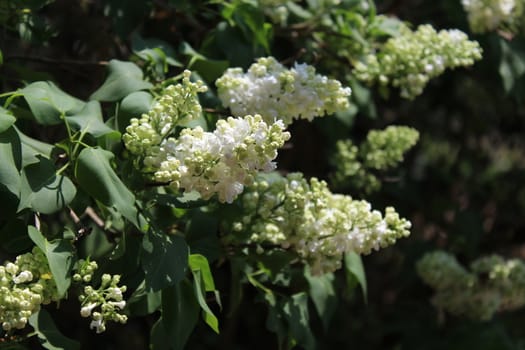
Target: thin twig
93, 216
55, 61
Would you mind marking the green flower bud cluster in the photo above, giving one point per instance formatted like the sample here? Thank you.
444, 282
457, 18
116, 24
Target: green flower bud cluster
308, 219
410, 60
382, 150
273, 91
178, 103
493, 284
25, 285
220, 162
489, 15
103, 304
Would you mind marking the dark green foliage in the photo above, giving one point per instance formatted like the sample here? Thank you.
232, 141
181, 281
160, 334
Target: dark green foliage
68, 185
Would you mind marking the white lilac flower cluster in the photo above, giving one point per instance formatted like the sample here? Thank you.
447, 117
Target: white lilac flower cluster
382, 149
277, 93
103, 304
218, 163
25, 285
316, 224
493, 284
221, 162
489, 15
410, 60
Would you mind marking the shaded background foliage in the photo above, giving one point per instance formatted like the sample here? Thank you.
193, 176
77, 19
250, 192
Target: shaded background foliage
463, 186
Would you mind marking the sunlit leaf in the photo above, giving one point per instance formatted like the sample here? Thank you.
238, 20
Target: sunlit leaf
6, 119
89, 120
323, 295
133, 106
123, 79
59, 254
208, 315
354, 269
48, 103
11, 155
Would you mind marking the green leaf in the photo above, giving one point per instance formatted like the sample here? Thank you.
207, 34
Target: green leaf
199, 262
143, 303
362, 97
512, 64
32, 149
43, 190
208, 315
48, 103
144, 45
275, 321
208, 69
48, 334
133, 106
164, 260
347, 117
11, 156
126, 15
354, 269
59, 254
13, 236
251, 21
239, 51
201, 235
298, 10
383, 25
180, 313
159, 338
89, 120
95, 175
123, 79
6, 119
296, 312
323, 295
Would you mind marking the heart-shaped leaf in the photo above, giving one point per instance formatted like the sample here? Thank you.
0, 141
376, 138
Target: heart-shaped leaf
133, 106
89, 120
48, 103
123, 79
96, 176
6, 119
43, 190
